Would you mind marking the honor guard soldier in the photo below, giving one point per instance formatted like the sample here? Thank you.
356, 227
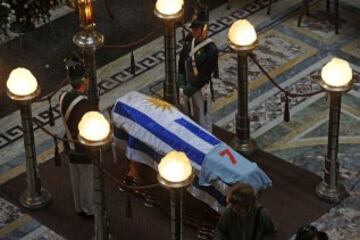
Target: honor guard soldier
198, 61
73, 105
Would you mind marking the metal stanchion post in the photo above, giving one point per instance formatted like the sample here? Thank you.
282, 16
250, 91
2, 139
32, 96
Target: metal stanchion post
94, 140
242, 141
101, 216
176, 205
336, 80
170, 62
22, 87
169, 12
175, 182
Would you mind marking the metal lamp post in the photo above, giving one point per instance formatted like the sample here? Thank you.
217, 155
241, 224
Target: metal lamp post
95, 132
242, 39
175, 173
88, 40
169, 11
22, 87
336, 79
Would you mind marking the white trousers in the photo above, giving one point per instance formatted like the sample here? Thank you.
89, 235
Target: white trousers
195, 108
81, 176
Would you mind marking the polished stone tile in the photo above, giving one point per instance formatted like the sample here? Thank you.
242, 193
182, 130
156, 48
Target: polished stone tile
8, 212
319, 26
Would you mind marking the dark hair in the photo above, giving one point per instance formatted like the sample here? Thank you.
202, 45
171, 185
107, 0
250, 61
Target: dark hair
241, 194
310, 232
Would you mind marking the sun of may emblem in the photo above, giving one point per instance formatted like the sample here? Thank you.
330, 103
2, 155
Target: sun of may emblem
159, 103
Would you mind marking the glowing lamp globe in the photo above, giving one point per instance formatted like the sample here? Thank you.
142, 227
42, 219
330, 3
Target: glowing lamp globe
175, 167
336, 73
242, 33
21, 83
169, 7
93, 127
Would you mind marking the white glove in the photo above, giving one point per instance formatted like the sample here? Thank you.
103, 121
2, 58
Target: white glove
205, 91
181, 96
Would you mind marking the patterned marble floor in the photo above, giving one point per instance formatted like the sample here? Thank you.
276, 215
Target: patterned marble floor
293, 56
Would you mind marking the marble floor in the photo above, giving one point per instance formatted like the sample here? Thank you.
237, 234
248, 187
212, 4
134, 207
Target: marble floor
293, 57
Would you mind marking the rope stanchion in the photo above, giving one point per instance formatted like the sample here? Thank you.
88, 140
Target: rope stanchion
48, 98
127, 187
133, 44
53, 135
286, 92
53, 92
57, 158
132, 63
253, 57
286, 108
106, 173
51, 114
109, 9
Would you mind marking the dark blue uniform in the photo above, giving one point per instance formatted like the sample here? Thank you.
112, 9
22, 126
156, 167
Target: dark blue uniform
206, 59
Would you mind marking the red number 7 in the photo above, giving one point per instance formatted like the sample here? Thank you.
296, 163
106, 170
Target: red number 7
229, 154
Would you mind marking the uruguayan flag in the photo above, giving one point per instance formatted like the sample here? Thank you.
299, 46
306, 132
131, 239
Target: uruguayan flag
151, 128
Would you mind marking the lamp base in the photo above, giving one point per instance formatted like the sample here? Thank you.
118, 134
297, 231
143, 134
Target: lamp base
334, 195
245, 148
92, 40
36, 200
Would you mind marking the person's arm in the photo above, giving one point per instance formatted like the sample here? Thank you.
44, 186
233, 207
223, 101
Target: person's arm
180, 77
208, 67
267, 226
204, 71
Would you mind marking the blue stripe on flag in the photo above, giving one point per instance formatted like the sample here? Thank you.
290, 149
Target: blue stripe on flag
198, 131
159, 131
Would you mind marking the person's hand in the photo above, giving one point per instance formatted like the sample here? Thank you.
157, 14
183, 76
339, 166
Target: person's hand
206, 92
181, 96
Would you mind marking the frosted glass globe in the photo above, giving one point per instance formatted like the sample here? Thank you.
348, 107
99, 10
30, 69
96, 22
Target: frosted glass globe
337, 73
242, 33
175, 167
21, 82
169, 7
93, 126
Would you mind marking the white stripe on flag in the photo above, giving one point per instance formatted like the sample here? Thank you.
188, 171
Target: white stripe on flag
175, 128
146, 136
